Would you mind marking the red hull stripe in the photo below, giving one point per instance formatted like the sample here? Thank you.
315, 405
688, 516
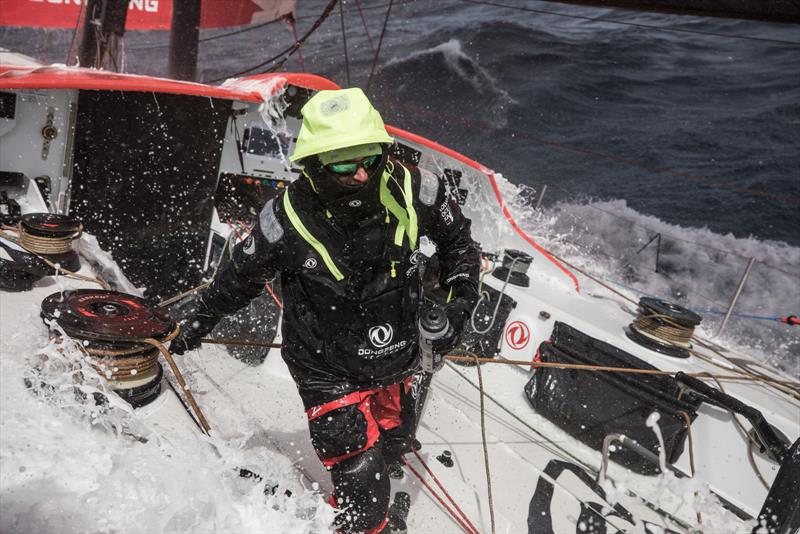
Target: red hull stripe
475, 165
243, 89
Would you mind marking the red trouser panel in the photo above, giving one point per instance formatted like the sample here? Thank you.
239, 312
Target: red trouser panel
380, 407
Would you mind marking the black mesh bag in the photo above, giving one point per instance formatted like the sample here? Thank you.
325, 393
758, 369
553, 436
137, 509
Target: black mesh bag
590, 405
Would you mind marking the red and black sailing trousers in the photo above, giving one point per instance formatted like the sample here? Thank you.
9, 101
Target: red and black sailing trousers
357, 436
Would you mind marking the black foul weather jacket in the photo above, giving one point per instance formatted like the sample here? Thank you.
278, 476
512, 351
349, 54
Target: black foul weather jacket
350, 289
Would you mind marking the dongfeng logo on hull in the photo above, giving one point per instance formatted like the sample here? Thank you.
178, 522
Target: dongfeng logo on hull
518, 335
380, 335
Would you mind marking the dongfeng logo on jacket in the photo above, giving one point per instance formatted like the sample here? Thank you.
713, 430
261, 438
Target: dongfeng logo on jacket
380, 335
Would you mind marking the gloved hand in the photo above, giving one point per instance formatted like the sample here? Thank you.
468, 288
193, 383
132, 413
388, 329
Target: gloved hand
197, 326
458, 313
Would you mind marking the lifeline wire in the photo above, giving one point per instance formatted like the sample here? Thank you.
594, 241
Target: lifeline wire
676, 238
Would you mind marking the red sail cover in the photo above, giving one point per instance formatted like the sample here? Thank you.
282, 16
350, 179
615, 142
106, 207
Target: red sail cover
144, 14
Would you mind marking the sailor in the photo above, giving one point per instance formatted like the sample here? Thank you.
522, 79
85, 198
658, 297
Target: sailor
344, 242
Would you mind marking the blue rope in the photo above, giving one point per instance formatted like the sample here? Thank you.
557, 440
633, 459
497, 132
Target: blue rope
700, 310
743, 315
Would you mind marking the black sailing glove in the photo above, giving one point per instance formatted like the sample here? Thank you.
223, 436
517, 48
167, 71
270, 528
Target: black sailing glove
458, 313
197, 326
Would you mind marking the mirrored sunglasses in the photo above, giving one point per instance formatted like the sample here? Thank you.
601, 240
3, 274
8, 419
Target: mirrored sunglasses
351, 167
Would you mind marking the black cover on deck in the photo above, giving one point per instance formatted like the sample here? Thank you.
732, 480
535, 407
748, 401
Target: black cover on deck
590, 405
145, 172
781, 511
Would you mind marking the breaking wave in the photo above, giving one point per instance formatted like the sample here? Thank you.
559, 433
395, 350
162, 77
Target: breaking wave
695, 267
444, 69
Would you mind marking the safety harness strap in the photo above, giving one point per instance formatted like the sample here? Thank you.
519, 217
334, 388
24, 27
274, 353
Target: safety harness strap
310, 239
406, 218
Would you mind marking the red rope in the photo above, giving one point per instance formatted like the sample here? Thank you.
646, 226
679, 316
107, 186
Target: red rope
438, 498
441, 487
268, 287
235, 229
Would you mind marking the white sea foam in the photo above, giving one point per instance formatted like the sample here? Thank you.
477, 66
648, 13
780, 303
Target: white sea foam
698, 268
69, 465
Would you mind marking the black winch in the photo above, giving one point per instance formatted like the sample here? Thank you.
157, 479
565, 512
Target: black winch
111, 327
664, 327
515, 268
40, 241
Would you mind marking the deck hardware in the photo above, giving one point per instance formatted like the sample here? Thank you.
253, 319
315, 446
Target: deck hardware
658, 247
543, 315
109, 327
446, 458
49, 132
541, 197
514, 268
663, 327
736, 295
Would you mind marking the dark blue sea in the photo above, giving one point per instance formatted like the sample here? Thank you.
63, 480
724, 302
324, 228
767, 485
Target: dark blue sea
638, 123
694, 120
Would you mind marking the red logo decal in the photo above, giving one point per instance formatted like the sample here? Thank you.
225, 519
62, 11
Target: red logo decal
518, 335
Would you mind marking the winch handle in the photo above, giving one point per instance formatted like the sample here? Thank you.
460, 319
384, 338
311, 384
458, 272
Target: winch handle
776, 447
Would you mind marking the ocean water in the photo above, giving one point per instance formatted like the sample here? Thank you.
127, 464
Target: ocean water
639, 124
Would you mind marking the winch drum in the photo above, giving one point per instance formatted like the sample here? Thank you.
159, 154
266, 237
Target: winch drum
111, 326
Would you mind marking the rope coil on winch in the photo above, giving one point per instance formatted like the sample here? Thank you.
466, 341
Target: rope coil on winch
654, 325
128, 360
48, 233
46, 244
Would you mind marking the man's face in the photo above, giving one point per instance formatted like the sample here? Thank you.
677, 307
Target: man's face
353, 172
